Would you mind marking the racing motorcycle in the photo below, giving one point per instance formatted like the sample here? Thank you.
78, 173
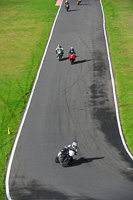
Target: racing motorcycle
78, 2
72, 57
65, 156
67, 7
59, 54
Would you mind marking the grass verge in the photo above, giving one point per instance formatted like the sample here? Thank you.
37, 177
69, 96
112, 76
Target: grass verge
25, 27
119, 25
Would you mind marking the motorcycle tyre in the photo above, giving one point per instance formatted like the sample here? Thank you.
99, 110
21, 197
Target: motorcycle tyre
66, 162
67, 8
72, 61
57, 159
59, 57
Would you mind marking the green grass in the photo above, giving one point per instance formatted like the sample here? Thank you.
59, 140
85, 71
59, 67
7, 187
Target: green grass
24, 31
119, 24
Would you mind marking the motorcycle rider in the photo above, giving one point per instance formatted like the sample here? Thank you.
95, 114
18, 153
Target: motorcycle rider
79, 1
72, 147
67, 3
72, 51
59, 47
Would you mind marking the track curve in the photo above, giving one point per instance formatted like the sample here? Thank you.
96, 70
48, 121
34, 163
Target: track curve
73, 102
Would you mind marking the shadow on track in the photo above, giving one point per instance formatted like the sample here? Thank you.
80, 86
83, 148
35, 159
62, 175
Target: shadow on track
73, 10
81, 61
76, 62
84, 4
64, 58
82, 160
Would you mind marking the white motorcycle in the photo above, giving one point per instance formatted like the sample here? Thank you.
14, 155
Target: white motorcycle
65, 156
59, 53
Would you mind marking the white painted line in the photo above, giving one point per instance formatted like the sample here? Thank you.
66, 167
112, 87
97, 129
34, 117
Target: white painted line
25, 113
114, 91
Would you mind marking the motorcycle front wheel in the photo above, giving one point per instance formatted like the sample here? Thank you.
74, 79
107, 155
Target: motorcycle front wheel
59, 57
57, 159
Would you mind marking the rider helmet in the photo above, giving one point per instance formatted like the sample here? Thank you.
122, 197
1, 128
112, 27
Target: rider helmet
74, 145
59, 45
72, 49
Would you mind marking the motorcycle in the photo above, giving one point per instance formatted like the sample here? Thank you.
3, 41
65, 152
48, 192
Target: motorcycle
67, 7
65, 156
78, 2
72, 57
59, 54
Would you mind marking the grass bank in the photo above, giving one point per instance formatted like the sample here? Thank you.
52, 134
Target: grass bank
25, 27
119, 24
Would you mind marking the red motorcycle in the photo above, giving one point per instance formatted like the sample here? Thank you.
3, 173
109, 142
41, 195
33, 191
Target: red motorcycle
72, 57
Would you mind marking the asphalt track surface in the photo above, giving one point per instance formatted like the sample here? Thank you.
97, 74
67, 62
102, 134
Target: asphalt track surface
73, 102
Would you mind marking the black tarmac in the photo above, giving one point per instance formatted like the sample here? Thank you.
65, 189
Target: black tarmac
73, 103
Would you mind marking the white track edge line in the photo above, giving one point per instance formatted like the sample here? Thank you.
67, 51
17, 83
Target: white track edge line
26, 111
113, 86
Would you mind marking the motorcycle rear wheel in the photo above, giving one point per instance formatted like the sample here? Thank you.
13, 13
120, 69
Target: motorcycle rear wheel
72, 61
67, 8
66, 162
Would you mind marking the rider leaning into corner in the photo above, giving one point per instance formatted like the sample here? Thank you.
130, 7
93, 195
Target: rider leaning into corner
72, 147
59, 47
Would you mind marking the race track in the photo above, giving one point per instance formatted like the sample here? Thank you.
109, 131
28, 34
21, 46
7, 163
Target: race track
73, 102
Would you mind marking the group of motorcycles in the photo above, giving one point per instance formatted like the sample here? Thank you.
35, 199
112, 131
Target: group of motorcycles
67, 6
60, 53
65, 156
72, 56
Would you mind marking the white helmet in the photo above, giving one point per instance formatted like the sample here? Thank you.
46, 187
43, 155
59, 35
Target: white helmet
59, 45
74, 145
